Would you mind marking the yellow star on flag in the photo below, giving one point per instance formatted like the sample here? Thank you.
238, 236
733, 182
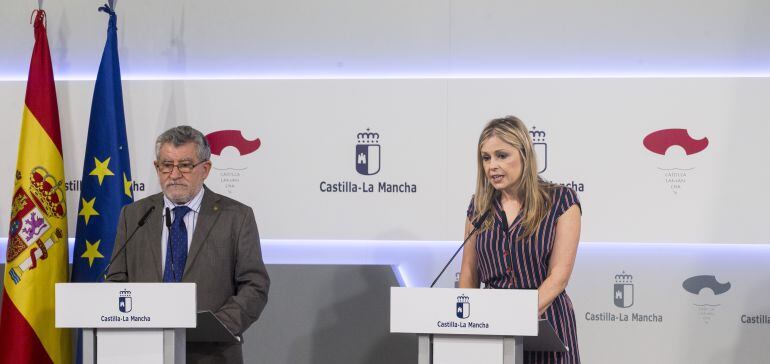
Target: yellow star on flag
88, 209
92, 252
101, 169
127, 186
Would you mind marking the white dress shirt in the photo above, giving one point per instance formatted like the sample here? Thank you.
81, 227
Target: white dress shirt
189, 221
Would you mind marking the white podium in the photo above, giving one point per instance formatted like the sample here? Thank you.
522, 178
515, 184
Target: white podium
128, 322
471, 325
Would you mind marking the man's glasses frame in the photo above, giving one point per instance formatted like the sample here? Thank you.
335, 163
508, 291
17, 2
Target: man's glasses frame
183, 167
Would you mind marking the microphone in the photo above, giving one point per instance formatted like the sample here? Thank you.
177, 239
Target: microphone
170, 246
168, 217
476, 226
138, 225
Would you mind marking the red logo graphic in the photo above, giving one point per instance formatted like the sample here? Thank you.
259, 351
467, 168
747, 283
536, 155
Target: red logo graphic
221, 139
659, 141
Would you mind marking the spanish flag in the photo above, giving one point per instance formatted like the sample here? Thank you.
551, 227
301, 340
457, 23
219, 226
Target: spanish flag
37, 241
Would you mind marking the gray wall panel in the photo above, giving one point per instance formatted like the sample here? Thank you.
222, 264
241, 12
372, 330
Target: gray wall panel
328, 314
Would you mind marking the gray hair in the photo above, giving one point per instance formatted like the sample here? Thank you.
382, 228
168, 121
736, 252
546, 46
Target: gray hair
181, 135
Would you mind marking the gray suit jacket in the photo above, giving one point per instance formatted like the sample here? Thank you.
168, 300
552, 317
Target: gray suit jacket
225, 260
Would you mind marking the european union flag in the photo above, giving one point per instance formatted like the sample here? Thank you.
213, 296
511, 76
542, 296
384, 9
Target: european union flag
106, 185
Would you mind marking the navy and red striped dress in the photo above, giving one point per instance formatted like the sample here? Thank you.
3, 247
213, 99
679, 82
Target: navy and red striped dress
504, 262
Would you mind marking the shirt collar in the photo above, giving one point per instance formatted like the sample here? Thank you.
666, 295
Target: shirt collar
194, 204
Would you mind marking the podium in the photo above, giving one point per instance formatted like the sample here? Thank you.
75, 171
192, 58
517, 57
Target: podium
471, 325
128, 322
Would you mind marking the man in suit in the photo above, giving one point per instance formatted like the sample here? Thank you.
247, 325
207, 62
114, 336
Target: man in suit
207, 238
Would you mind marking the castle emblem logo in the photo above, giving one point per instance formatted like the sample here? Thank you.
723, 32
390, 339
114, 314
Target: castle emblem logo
623, 297
541, 148
676, 168
368, 153
623, 292
124, 301
463, 307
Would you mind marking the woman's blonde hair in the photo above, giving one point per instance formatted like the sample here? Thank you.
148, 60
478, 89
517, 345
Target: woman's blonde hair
534, 193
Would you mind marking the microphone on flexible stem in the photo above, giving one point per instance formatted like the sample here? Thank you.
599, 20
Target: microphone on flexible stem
476, 226
170, 246
139, 224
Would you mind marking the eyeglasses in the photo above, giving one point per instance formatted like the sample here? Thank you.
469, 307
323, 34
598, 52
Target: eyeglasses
183, 167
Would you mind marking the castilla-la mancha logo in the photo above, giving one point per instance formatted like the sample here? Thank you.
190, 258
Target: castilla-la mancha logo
231, 168
676, 168
463, 307
623, 292
368, 153
124, 301
368, 162
541, 148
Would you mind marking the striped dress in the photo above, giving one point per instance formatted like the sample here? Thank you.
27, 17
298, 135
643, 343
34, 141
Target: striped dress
505, 263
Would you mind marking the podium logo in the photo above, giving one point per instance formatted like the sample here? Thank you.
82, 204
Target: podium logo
623, 292
368, 153
463, 307
124, 301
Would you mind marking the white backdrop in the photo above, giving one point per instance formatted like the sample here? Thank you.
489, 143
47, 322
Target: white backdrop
591, 134
301, 179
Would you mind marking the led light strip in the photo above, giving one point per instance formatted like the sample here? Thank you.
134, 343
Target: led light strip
404, 76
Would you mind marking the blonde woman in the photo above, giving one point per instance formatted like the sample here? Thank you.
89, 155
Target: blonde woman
529, 231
